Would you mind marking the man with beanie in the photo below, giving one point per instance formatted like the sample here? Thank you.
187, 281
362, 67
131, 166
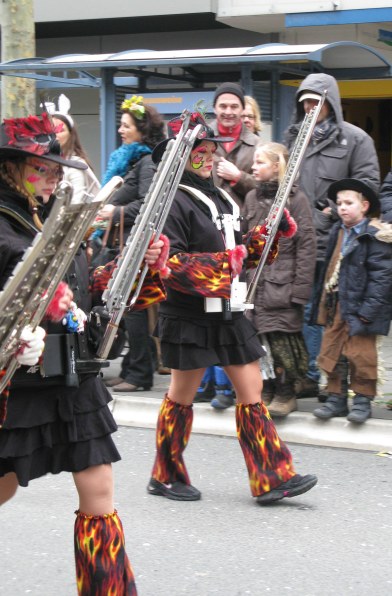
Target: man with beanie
233, 166
337, 150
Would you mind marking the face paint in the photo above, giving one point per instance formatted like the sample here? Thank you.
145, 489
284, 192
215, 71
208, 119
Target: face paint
29, 183
201, 159
198, 157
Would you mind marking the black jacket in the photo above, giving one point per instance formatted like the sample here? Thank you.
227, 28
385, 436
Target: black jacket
365, 279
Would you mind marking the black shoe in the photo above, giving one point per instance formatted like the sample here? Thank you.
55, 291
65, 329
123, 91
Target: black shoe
177, 491
306, 387
223, 401
206, 393
335, 406
293, 487
361, 409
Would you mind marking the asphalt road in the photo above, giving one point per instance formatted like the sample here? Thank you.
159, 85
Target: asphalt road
334, 540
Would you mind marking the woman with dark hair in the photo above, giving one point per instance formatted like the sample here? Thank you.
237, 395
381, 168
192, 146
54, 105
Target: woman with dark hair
83, 181
141, 128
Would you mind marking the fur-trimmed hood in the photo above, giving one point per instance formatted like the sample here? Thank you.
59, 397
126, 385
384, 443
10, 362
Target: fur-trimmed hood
383, 230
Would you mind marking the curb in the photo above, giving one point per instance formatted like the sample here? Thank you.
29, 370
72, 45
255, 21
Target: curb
299, 427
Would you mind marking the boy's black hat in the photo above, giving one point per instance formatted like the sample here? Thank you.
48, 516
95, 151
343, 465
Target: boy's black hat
358, 186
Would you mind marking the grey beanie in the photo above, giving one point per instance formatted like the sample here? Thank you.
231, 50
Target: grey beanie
233, 88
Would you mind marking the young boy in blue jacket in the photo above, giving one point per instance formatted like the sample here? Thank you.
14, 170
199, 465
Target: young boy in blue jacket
354, 299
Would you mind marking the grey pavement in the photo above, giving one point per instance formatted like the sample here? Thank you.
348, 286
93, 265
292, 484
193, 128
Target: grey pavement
332, 541
140, 409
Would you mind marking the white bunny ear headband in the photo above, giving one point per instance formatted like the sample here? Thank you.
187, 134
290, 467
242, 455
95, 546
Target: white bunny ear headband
64, 105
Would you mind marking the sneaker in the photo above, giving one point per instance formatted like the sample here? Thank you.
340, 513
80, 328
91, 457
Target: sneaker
223, 401
205, 392
177, 491
297, 485
306, 387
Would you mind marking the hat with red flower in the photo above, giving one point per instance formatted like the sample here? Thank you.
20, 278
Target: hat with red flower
174, 126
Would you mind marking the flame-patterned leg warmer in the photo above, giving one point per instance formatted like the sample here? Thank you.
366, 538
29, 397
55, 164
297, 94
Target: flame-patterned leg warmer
267, 458
173, 429
102, 565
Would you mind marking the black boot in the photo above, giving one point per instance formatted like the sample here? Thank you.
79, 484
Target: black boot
361, 409
336, 405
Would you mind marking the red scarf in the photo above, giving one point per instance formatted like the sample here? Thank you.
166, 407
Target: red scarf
234, 133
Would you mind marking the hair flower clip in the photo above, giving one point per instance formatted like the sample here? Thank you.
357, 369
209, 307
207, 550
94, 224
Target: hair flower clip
135, 106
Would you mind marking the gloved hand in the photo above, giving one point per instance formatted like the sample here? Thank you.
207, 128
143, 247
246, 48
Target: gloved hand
31, 346
75, 319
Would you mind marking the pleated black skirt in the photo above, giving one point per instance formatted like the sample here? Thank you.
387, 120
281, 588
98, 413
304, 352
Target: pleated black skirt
57, 429
190, 343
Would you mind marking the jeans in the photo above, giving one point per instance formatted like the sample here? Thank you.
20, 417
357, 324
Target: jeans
313, 334
137, 365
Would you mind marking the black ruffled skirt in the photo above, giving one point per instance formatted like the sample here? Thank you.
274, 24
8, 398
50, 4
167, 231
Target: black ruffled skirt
57, 429
190, 343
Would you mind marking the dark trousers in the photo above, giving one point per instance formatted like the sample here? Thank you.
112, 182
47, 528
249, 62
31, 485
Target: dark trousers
137, 365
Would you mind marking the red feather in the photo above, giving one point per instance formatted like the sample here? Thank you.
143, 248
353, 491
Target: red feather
22, 132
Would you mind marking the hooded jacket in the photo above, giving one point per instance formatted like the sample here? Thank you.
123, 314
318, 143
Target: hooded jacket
346, 152
386, 198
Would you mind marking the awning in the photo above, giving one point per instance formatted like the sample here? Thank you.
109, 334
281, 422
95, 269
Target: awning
341, 59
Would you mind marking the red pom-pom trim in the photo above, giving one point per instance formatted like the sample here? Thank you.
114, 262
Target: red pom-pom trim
54, 312
236, 258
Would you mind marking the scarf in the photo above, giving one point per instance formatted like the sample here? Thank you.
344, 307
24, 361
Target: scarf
267, 190
323, 129
234, 133
122, 158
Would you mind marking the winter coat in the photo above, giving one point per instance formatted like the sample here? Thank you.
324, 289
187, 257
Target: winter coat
347, 152
242, 156
130, 196
365, 279
83, 181
285, 285
386, 198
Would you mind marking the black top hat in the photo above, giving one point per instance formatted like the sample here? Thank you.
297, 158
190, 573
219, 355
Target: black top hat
174, 126
33, 136
358, 186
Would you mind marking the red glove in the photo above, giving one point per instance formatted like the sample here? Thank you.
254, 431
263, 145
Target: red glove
236, 258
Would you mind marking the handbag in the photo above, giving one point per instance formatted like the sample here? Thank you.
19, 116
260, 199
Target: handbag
96, 325
112, 243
